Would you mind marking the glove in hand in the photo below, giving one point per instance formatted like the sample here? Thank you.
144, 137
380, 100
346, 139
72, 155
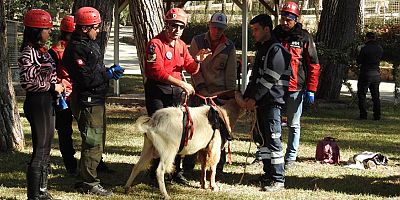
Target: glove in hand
115, 72
309, 97
62, 104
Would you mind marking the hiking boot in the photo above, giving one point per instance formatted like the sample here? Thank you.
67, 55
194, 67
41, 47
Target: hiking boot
180, 179
273, 186
100, 191
289, 164
102, 167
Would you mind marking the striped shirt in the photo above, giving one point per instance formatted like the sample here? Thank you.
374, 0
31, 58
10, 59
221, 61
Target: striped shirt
37, 70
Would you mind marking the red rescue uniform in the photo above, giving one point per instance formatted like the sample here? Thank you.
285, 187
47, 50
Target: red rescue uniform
164, 60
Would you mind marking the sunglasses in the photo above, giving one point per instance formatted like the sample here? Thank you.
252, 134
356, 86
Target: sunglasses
95, 28
176, 26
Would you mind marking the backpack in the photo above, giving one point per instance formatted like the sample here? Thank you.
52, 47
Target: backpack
327, 151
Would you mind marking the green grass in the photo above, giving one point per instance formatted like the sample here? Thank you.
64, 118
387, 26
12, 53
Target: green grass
308, 180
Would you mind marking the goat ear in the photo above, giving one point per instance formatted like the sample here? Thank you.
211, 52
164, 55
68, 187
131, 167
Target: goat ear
224, 116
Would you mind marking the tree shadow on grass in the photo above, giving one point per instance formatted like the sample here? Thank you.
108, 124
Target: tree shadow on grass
124, 150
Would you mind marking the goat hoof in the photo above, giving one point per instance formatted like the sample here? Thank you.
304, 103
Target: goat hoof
215, 188
127, 190
166, 197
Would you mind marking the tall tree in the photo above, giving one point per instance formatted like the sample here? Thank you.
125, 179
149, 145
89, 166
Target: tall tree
106, 11
336, 32
11, 135
148, 21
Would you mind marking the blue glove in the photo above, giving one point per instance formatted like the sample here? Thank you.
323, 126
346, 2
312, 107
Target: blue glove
309, 97
62, 104
118, 69
115, 72
109, 72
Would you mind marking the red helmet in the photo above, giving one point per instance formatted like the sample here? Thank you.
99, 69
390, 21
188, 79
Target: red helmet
176, 14
38, 18
291, 7
67, 24
87, 16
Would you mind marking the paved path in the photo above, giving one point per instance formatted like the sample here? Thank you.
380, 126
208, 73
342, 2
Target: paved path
128, 59
127, 53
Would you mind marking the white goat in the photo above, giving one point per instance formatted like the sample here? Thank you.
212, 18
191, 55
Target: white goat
163, 132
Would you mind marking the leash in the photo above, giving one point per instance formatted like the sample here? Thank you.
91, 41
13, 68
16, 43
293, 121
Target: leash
253, 126
210, 101
189, 129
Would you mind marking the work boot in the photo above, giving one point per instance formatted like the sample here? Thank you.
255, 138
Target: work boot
33, 181
43, 193
180, 179
273, 186
100, 191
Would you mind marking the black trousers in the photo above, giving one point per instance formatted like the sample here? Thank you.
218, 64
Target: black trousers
157, 97
39, 110
371, 83
64, 129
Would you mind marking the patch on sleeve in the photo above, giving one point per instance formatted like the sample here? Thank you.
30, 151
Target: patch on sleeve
151, 54
80, 62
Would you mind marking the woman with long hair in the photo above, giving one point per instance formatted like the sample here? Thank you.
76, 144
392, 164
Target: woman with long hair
38, 78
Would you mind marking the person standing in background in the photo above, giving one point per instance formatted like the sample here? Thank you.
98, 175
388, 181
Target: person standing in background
63, 114
305, 73
370, 78
217, 72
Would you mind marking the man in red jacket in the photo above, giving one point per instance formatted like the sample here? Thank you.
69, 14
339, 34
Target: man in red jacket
166, 56
305, 72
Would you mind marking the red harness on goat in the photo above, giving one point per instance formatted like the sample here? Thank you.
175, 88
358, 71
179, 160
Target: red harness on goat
188, 129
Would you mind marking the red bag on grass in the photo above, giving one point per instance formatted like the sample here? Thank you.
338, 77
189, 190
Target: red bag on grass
327, 151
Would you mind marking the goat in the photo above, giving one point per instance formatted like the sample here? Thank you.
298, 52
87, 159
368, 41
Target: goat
163, 132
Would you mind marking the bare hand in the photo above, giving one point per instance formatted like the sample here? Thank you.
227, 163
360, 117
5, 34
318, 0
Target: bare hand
187, 88
239, 99
59, 88
203, 54
250, 104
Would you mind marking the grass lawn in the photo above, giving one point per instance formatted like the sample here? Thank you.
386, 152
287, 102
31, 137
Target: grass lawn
307, 180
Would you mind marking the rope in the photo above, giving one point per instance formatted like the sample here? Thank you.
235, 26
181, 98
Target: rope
253, 126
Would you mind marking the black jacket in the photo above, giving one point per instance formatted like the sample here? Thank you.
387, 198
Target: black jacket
369, 58
84, 63
269, 80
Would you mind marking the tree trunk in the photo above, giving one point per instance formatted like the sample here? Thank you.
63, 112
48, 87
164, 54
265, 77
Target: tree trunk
106, 11
148, 21
339, 19
11, 135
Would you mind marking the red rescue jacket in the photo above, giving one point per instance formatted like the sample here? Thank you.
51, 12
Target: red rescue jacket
305, 64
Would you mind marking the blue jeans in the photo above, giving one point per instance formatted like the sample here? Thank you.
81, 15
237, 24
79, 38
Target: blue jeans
294, 104
269, 123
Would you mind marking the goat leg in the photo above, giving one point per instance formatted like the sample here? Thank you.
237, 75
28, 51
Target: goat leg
144, 160
202, 157
214, 156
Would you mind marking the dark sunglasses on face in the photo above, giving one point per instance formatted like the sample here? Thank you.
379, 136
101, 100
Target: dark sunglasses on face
95, 27
176, 26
